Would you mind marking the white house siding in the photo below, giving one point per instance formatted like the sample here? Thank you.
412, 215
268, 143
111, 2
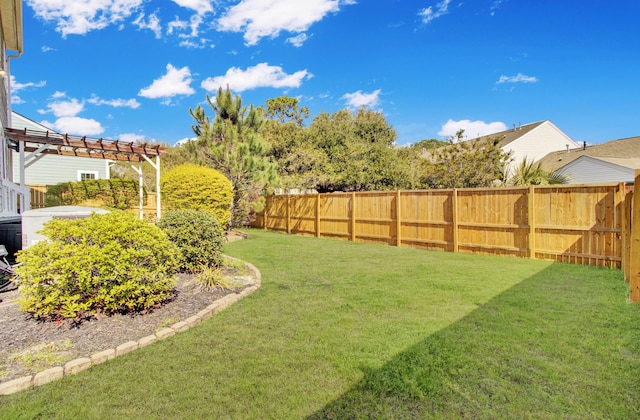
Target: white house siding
587, 170
539, 142
54, 169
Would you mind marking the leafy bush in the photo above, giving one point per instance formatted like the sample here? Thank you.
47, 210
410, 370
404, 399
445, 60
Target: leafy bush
110, 263
114, 193
197, 234
198, 188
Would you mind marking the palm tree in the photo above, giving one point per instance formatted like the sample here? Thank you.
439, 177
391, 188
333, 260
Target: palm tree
530, 173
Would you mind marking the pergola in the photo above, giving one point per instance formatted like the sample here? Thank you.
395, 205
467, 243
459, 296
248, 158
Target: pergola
33, 145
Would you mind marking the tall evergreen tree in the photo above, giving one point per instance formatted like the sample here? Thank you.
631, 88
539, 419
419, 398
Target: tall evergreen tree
232, 144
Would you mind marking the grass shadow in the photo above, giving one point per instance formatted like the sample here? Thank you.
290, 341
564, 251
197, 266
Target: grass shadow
562, 343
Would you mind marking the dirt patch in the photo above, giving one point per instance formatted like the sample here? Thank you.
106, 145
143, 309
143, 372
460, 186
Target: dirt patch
28, 346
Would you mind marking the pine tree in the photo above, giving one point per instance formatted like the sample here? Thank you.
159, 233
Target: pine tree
233, 145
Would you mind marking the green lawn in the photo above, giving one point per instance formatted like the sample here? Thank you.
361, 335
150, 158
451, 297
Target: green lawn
343, 330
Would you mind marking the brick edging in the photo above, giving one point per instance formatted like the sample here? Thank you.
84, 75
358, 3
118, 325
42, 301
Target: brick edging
82, 363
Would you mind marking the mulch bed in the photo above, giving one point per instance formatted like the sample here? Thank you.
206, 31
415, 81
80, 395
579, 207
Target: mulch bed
28, 346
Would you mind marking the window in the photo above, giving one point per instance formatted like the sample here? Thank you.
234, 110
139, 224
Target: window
87, 175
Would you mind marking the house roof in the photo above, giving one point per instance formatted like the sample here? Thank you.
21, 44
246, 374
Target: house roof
11, 17
627, 149
509, 136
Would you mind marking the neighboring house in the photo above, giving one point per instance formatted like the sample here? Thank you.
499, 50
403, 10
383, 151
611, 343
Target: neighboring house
13, 198
49, 169
613, 161
532, 141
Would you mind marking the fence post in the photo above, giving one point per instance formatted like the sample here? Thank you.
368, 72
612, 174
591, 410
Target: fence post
318, 215
398, 220
634, 257
288, 213
621, 213
532, 221
266, 212
353, 217
454, 211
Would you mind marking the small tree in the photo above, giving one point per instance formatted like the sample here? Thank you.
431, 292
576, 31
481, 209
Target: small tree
196, 187
466, 164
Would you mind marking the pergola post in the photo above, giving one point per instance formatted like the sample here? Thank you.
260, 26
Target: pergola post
158, 201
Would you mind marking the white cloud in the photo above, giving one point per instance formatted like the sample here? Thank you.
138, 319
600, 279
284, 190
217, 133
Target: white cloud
58, 94
176, 24
298, 40
185, 141
17, 86
76, 125
116, 103
495, 6
200, 6
519, 78
359, 99
175, 82
69, 108
261, 75
267, 18
202, 43
152, 23
46, 48
194, 25
131, 137
472, 129
429, 14
78, 17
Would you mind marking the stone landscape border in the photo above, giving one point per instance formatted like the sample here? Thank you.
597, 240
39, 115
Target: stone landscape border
83, 363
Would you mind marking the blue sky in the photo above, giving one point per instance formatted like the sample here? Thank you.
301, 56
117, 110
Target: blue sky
131, 69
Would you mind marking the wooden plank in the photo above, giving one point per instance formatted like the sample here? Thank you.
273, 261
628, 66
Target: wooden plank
532, 221
454, 218
398, 220
622, 221
317, 215
288, 207
626, 241
353, 217
634, 257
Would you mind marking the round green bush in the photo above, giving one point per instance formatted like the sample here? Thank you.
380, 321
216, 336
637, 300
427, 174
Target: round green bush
197, 234
109, 263
196, 187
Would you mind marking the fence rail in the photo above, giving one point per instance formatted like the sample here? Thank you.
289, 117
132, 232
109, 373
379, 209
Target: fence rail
581, 224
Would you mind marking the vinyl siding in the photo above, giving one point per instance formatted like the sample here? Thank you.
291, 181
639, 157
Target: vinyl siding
54, 169
586, 170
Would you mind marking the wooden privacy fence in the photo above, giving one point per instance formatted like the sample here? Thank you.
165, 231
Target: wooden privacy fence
574, 223
580, 224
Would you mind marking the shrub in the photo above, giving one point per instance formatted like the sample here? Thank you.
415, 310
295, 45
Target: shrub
110, 263
197, 234
198, 188
214, 277
114, 193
